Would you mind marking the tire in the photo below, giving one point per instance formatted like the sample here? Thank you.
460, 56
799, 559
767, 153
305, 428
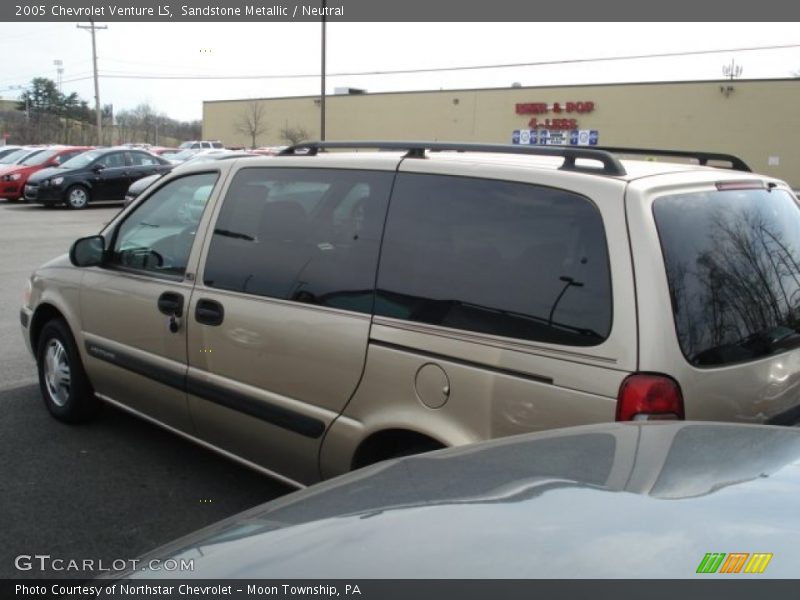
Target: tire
65, 388
77, 197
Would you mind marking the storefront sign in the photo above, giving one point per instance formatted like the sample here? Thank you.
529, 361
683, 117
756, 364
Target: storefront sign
551, 137
553, 116
533, 108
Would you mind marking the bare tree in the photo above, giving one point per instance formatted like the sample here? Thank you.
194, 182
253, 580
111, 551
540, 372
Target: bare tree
294, 135
252, 121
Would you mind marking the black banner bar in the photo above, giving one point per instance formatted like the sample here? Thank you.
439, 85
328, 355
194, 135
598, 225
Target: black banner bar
400, 11
715, 586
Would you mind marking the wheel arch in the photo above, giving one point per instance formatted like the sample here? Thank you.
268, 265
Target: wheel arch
44, 312
47, 311
82, 182
390, 443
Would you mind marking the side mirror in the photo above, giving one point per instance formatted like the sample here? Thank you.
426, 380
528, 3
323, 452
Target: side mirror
98, 167
88, 251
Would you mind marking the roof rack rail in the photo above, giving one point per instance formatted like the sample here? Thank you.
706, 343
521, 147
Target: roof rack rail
736, 163
610, 163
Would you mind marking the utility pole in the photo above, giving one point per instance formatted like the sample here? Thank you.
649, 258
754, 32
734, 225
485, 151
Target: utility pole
322, 93
92, 27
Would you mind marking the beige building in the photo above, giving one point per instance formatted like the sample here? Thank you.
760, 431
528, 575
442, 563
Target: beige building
756, 120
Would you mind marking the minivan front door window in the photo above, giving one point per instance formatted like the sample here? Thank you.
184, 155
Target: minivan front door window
158, 236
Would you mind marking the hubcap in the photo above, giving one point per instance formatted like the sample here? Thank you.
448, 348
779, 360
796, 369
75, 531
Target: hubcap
77, 197
56, 372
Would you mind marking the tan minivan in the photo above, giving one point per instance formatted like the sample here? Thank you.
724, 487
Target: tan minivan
317, 311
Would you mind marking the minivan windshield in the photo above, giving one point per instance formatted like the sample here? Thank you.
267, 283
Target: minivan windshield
733, 267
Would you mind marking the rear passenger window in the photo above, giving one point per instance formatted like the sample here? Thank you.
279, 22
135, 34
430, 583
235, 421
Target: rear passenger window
143, 160
507, 259
308, 235
115, 159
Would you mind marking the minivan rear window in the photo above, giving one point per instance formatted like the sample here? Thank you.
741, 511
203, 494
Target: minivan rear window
733, 266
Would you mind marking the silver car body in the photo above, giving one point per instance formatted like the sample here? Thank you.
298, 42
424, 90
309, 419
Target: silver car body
633, 500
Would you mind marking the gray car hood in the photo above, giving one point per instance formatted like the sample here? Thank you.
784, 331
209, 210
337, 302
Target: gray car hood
617, 500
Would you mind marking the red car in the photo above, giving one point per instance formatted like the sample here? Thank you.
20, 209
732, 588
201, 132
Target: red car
162, 151
13, 177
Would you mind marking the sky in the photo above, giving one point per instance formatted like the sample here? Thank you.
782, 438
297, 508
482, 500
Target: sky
204, 50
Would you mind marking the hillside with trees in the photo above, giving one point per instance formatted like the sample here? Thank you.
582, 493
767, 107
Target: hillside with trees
45, 115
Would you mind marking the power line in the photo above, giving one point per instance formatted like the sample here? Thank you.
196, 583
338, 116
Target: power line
78, 77
123, 75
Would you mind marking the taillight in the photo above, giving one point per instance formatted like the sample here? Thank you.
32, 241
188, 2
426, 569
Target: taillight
645, 397
750, 184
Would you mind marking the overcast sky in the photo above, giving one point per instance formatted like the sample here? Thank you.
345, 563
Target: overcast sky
229, 49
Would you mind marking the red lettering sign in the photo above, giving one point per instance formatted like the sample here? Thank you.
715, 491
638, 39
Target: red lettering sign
540, 108
531, 108
580, 107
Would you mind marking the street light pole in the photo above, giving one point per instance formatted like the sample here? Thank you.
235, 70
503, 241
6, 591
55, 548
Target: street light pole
92, 27
59, 64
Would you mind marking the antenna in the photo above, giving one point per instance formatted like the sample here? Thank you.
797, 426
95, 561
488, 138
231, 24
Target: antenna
731, 71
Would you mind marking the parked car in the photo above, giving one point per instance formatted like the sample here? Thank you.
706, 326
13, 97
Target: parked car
307, 325
201, 145
270, 150
632, 500
182, 156
163, 151
140, 185
20, 154
102, 174
14, 177
6, 150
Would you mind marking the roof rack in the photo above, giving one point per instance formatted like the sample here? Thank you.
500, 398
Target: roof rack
736, 163
610, 163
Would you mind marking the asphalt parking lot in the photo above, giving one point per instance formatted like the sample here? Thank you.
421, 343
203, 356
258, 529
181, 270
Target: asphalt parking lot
112, 489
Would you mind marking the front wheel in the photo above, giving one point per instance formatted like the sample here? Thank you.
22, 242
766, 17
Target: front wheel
77, 197
66, 389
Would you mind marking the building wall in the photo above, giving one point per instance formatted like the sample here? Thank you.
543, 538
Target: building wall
757, 120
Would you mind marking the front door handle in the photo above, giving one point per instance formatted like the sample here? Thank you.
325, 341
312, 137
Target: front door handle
209, 312
171, 304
